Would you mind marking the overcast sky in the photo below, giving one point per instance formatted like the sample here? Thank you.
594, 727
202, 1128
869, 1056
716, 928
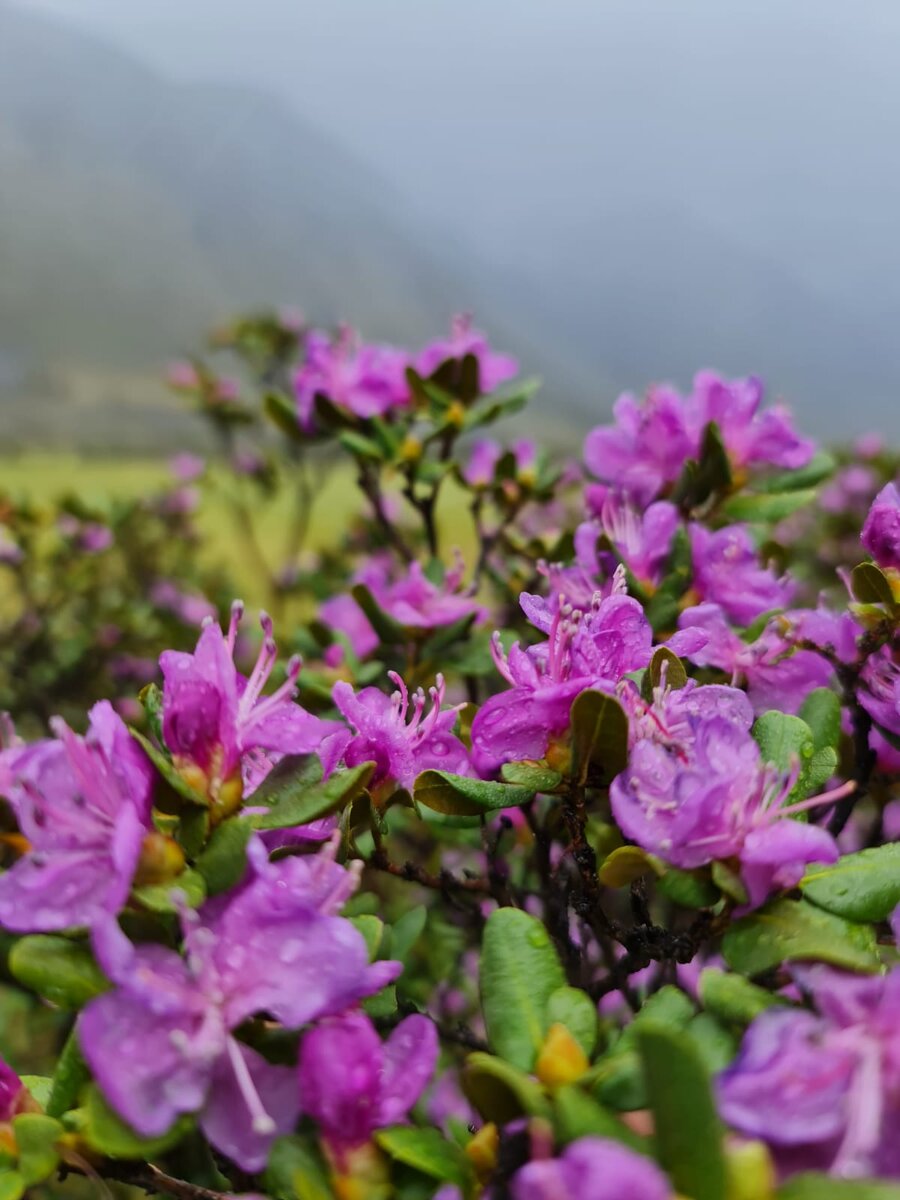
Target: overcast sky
488, 112
540, 131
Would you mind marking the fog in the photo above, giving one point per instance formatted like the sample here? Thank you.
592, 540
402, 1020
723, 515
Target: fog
671, 184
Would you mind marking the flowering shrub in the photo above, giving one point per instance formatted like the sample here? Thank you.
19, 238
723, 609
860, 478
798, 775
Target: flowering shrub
565, 869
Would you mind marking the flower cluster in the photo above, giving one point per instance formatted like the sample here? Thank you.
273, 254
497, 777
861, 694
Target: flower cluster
559, 866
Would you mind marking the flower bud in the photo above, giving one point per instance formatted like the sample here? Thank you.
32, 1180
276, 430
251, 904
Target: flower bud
482, 1150
227, 799
161, 860
561, 1059
411, 449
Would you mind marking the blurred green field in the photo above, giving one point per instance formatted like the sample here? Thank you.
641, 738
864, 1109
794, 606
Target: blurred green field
41, 477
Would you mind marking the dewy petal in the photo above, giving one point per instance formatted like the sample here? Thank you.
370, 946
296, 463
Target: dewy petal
271, 949
592, 1168
225, 1118
790, 1081
410, 1057
776, 856
147, 1066
65, 888
881, 532
339, 1075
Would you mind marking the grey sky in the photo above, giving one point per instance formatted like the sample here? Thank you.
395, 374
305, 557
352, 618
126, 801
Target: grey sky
546, 134
493, 113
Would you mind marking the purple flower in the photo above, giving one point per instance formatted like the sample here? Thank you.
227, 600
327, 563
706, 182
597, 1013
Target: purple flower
479, 470
643, 542
352, 1084
223, 733
591, 1168
880, 691
14, 1096
343, 615
187, 467
161, 1043
365, 380
646, 447
776, 674
852, 488
400, 743
11, 553
83, 804
750, 436
881, 532
416, 602
189, 608
708, 796
824, 1091
493, 368
584, 649
727, 572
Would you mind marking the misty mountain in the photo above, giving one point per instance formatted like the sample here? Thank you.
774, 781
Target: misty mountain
136, 210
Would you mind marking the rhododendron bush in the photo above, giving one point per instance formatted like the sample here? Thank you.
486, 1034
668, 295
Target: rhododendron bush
558, 865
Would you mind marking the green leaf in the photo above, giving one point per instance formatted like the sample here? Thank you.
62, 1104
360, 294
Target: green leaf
599, 736
870, 585
361, 446
794, 930
109, 1135
624, 865
60, 970
372, 930
716, 1044
500, 1091
282, 412
291, 776
782, 739
576, 1115
12, 1185
821, 710
169, 772
519, 972
458, 795
669, 1007
69, 1078
531, 775
688, 1135
824, 1187
690, 889
151, 699
39, 1087
864, 886
296, 1172
318, 800
676, 675
36, 1137
224, 861
703, 477
820, 467
732, 998
161, 897
428, 1151
768, 507
383, 1004
193, 830
406, 931
572, 1007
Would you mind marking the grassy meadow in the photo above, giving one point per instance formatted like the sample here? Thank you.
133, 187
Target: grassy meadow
44, 476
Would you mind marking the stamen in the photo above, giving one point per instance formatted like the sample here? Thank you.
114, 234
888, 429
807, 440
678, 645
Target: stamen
237, 612
501, 662
262, 1122
837, 793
